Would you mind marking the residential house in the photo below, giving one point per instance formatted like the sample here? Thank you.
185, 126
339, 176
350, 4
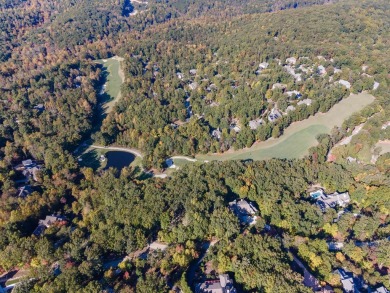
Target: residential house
157, 246
235, 128
263, 65
291, 60
245, 211
290, 108
321, 70
32, 172
349, 282
39, 107
278, 85
179, 75
234, 125
376, 85
306, 102
46, 223
193, 86
211, 87
193, 71
27, 163
326, 201
274, 115
223, 285
303, 68
24, 191
381, 289
216, 133
291, 70
254, 124
335, 246
345, 83
337, 70
297, 94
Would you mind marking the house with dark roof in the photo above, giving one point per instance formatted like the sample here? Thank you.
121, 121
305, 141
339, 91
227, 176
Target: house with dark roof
244, 210
325, 201
24, 191
46, 223
333, 200
223, 285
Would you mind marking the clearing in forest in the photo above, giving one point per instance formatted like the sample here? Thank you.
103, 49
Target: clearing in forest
299, 136
114, 80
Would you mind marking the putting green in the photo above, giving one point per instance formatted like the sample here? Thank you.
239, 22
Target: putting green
299, 136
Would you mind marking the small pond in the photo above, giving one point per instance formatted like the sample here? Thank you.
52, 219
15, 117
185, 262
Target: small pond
119, 159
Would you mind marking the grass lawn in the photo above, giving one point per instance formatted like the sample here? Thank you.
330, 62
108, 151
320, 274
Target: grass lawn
115, 78
181, 162
299, 136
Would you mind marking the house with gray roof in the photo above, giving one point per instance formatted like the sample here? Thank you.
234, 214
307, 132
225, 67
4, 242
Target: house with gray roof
335, 246
326, 201
216, 133
297, 94
27, 163
263, 65
290, 108
179, 75
32, 172
278, 85
46, 223
381, 289
321, 70
345, 83
254, 124
24, 191
291, 60
193, 86
274, 115
350, 283
222, 285
306, 102
244, 210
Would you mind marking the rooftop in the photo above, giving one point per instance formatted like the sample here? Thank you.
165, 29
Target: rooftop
244, 210
223, 285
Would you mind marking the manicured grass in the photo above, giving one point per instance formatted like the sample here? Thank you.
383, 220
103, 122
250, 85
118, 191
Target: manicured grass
299, 136
91, 159
181, 162
114, 82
